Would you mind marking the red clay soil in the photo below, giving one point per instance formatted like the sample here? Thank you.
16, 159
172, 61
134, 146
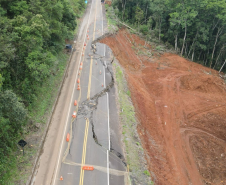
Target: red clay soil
108, 2
182, 114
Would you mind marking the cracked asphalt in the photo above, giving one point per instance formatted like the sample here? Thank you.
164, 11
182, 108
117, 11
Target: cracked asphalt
94, 134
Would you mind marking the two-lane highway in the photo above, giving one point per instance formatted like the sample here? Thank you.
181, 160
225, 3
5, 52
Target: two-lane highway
90, 143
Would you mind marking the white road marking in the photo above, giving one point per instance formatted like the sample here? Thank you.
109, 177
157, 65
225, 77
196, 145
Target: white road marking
71, 102
104, 76
108, 123
102, 20
107, 103
108, 165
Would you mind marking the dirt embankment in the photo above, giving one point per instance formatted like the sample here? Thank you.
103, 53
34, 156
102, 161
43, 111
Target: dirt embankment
181, 106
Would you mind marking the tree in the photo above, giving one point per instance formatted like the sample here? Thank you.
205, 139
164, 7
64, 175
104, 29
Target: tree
38, 65
32, 33
196, 27
184, 15
139, 15
158, 8
12, 118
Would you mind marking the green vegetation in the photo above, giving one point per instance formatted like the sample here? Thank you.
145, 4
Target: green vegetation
110, 14
45, 92
195, 29
147, 173
39, 113
134, 150
128, 93
159, 48
32, 38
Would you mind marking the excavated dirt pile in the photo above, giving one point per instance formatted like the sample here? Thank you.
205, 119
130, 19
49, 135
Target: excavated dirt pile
181, 107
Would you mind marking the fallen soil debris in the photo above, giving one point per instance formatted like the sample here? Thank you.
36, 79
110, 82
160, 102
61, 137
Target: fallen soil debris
181, 109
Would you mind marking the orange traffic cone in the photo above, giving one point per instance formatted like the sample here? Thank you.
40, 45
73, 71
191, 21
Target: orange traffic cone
82, 54
96, 63
81, 64
78, 87
78, 73
80, 68
67, 139
102, 85
61, 178
88, 38
78, 81
84, 44
75, 103
100, 72
88, 31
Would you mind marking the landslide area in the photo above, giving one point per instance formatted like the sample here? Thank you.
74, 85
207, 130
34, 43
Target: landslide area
181, 108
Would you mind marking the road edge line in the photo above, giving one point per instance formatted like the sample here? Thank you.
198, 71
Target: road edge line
107, 104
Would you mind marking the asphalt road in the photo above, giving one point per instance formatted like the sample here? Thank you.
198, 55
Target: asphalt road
94, 134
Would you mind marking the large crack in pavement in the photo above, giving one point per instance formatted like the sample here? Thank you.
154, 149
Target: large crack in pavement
87, 107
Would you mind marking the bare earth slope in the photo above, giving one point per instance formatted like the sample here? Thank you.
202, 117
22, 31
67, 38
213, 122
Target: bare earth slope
181, 106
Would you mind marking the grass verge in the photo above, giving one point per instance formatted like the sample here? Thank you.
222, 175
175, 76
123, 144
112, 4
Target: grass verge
133, 149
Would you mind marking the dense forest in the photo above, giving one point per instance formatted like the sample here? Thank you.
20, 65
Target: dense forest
32, 33
195, 28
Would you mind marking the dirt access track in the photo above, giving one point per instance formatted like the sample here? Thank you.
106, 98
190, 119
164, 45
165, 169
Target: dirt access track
181, 107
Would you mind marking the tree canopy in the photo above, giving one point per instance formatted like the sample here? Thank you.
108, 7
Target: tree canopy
32, 32
195, 28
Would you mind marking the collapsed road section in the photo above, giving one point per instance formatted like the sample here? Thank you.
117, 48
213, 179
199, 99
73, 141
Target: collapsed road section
90, 109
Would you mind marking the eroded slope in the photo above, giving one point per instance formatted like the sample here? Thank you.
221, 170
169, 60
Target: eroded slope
181, 109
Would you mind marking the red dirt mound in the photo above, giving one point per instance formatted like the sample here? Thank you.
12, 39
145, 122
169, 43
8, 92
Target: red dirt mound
181, 106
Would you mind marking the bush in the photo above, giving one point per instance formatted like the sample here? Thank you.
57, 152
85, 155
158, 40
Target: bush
144, 29
146, 172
